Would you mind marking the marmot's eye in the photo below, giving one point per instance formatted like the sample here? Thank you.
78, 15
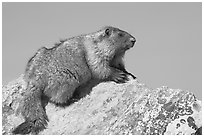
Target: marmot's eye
120, 34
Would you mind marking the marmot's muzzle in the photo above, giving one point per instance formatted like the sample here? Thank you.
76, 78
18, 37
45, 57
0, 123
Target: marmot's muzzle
133, 40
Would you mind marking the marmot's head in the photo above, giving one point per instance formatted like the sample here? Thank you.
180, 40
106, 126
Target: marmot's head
113, 41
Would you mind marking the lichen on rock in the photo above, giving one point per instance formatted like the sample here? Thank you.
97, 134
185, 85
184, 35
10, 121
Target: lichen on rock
110, 108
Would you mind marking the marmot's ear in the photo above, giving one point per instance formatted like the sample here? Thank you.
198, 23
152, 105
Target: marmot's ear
107, 32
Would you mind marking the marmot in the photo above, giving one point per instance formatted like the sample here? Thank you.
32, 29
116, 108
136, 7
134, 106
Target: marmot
58, 71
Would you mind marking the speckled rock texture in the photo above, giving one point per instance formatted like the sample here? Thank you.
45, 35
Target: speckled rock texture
110, 108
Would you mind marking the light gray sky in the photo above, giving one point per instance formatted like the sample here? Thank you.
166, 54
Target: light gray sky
169, 37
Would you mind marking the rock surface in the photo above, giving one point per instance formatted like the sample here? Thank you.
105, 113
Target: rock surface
110, 108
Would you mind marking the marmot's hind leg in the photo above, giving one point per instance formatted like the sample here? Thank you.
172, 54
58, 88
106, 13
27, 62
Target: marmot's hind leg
62, 88
64, 92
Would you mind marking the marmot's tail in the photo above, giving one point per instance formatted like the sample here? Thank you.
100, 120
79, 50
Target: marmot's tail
33, 112
29, 127
23, 128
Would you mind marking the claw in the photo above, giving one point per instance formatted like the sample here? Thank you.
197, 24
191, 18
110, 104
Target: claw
120, 77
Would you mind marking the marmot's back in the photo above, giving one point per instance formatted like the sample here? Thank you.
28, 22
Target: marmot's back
65, 58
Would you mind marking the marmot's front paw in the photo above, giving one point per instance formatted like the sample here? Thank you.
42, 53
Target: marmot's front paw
134, 77
120, 76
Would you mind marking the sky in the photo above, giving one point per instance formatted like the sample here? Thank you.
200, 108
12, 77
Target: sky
168, 51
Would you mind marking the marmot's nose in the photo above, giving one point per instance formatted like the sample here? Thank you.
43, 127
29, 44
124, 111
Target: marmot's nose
133, 40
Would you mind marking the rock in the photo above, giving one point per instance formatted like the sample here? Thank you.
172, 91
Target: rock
110, 108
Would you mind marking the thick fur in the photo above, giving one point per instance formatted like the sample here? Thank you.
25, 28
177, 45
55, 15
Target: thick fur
58, 71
